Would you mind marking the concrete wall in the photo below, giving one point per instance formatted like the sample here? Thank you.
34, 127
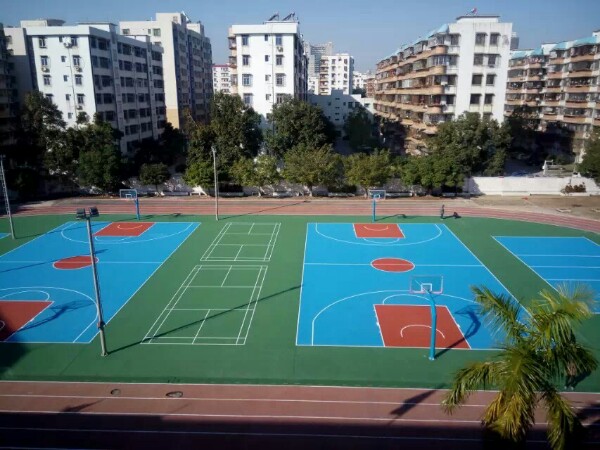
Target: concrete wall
527, 185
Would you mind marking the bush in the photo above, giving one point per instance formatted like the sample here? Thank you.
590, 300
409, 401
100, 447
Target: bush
571, 188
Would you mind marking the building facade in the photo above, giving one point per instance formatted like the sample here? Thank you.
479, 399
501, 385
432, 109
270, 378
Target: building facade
336, 73
8, 92
459, 67
559, 83
187, 63
221, 78
268, 63
314, 53
91, 69
337, 106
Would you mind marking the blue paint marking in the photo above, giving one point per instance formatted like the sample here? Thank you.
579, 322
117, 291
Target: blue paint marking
340, 287
3, 235
559, 260
124, 265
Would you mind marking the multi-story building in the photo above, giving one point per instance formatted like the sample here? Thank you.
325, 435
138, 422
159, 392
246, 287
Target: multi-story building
268, 63
459, 67
8, 93
314, 53
370, 84
336, 73
187, 63
221, 78
91, 69
560, 83
358, 80
338, 105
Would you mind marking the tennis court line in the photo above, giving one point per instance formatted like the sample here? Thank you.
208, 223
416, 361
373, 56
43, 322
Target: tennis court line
217, 242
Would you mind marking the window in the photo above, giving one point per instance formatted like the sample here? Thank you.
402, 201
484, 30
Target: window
68, 97
489, 99
475, 99
279, 60
78, 80
245, 60
125, 30
93, 42
268, 97
42, 42
245, 39
44, 60
94, 61
280, 98
494, 38
477, 79
47, 80
278, 39
480, 38
63, 59
280, 79
74, 41
490, 80
266, 58
478, 59
492, 60
268, 78
246, 79
248, 99
156, 32
487, 116
69, 115
76, 60
454, 39
80, 99
266, 37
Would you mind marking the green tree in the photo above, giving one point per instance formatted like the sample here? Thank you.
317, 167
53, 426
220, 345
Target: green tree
296, 122
359, 129
154, 174
476, 145
199, 172
258, 172
62, 160
368, 171
590, 165
100, 162
312, 166
539, 348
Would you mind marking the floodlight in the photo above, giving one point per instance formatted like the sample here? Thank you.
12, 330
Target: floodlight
80, 213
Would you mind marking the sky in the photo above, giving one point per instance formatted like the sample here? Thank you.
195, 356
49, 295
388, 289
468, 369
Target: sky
367, 29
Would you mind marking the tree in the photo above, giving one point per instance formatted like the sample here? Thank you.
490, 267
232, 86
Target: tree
591, 159
295, 123
258, 172
154, 174
62, 160
199, 172
100, 162
312, 166
368, 171
539, 347
476, 145
359, 129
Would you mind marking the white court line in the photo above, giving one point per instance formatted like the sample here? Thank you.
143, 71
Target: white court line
556, 255
372, 243
201, 325
218, 287
421, 326
226, 275
251, 304
301, 284
368, 264
272, 242
566, 267
255, 304
216, 240
573, 280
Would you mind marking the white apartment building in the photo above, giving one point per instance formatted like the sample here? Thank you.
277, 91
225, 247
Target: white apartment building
336, 73
268, 63
221, 78
359, 79
187, 62
456, 68
90, 68
337, 106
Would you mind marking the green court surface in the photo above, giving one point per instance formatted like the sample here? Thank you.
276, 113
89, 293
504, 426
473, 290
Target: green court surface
224, 309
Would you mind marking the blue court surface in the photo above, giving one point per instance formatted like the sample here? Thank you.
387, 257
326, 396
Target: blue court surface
3, 235
39, 271
341, 287
559, 260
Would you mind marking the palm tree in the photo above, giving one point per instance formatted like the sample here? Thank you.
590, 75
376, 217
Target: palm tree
540, 349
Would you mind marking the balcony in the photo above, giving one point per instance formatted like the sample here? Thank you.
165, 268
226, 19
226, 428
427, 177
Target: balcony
554, 75
584, 57
575, 119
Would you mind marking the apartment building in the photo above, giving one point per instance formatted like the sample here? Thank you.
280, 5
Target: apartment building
90, 68
456, 68
560, 83
338, 105
268, 63
314, 53
358, 80
336, 73
221, 78
187, 62
370, 85
8, 92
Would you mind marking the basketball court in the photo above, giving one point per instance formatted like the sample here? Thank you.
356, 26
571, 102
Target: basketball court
373, 285
47, 292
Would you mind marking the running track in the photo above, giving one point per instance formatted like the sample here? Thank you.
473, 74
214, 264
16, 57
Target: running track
66, 415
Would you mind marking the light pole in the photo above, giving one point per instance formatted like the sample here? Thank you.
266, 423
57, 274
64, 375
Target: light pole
214, 152
6, 200
87, 214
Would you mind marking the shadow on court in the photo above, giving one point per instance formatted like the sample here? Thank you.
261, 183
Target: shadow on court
412, 402
474, 326
196, 323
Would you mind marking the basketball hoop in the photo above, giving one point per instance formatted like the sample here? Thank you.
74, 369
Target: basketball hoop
131, 194
432, 285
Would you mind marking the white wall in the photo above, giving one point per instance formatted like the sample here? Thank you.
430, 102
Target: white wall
527, 185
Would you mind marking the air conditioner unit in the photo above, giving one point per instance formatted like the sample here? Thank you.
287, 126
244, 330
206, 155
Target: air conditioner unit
79, 106
444, 83
78, 68
443, 102
45, 69
491, 66
280, 49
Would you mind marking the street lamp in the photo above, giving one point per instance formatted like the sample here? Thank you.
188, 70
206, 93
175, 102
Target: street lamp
87, 214
214, 152
6, 199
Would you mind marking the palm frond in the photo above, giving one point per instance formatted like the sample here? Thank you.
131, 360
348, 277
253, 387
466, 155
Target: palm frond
500, 312
474, 376
518, 416
562, 421
574, 301
573, 360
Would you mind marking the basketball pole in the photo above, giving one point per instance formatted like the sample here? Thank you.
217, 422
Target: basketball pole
214, 152
6, 199
374, 206
433, 326
137, 207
